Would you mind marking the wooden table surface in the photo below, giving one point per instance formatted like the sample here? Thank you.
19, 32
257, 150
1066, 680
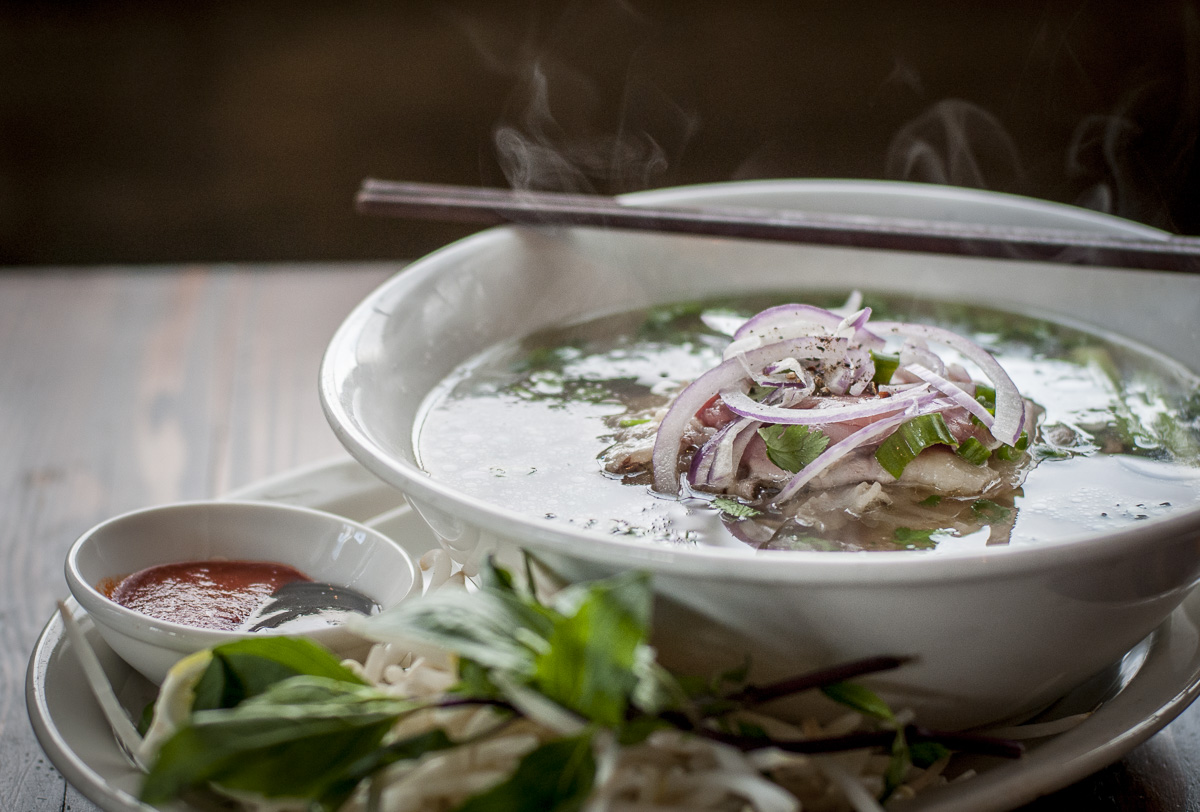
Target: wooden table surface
127, 387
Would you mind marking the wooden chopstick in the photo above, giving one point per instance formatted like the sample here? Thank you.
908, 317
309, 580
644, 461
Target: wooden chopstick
431, 201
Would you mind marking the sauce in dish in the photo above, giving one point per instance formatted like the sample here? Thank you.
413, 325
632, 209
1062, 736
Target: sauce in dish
236, 596
1078, 432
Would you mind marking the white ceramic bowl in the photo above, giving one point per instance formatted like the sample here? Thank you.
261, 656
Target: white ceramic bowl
999, 633
323, 546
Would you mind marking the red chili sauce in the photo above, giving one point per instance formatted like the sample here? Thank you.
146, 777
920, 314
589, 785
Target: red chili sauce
205, 594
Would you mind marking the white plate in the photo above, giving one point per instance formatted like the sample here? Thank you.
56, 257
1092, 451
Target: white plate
1152, 685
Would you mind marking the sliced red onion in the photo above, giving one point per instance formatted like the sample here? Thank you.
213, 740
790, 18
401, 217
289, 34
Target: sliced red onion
791, 316
854, 326
716, 463
837, 451
743, 405
853, 367
1010, 407
919, 354
955, 392
725, 375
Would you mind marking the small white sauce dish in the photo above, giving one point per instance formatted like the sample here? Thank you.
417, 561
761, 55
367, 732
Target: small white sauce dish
321, 545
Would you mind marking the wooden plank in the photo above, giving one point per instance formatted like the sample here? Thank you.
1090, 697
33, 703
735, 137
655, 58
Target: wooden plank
126, 388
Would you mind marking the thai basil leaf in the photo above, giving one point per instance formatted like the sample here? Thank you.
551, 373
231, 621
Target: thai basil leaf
556, 777
478, 626
297, 739
246, 668
861, 699
589, 663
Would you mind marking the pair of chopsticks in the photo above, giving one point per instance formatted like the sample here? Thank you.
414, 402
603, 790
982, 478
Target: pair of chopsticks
429, 201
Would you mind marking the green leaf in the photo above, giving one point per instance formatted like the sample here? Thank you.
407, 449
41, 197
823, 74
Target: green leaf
246, 668
986, 396
925, 754
898, 764
861, 699
793, 447
588, 666
630, 422
989, 511
919, 539
1010, 453
296, 739
933, 500
974, 451
480, 626
556, 777
910, 439
414, 747
885, 367
734, 508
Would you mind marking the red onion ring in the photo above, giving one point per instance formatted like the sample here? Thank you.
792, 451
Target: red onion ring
743, 405
954, 392
665, 457
1010, 406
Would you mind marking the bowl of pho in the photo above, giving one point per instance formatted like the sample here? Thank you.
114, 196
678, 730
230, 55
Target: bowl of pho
820, 453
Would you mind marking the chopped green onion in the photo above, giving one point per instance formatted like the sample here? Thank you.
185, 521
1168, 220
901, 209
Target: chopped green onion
913, 437
986, 395
933, 500
885, 366
974, 451
628, 422
1013, 452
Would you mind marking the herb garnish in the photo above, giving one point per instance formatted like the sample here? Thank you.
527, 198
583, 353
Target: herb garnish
793, 447
734, 508
280, 717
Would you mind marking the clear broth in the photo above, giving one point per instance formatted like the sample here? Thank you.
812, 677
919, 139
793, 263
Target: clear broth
523, 425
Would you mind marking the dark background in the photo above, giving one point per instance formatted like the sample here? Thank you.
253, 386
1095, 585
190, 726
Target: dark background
164, 132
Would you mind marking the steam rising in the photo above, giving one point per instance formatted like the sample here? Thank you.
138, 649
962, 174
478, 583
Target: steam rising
538, 152
956, 143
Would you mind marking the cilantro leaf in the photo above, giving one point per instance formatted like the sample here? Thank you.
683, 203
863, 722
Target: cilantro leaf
793, 447
734, 508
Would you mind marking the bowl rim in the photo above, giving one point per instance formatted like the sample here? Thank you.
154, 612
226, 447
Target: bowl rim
770, 566
178, 636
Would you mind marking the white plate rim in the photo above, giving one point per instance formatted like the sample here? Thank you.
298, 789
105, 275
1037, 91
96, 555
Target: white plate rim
1167, 682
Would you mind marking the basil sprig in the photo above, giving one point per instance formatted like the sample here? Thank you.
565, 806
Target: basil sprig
282, 718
